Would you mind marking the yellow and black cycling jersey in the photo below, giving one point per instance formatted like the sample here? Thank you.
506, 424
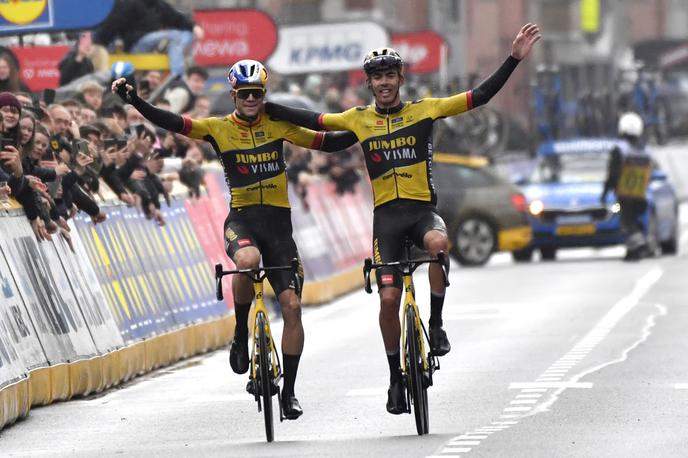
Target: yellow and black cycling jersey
397, 144
252, 155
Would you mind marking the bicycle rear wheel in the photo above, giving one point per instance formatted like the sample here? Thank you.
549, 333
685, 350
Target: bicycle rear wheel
265, 376
414, 367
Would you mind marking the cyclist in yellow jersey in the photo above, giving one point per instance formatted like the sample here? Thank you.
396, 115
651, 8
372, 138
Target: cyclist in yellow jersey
249, 144
396, 138
628, 175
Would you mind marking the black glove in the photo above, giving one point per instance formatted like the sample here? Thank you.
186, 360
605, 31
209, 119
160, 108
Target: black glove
127, 96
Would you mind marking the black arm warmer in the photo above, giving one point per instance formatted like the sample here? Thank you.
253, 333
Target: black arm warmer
337, 141
488, 88
299, 116
163, 118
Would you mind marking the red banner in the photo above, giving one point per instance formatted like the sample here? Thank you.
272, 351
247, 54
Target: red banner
39, 65
232, 35
420, 50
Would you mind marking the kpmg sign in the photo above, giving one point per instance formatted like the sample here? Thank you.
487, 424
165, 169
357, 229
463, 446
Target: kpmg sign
326, 47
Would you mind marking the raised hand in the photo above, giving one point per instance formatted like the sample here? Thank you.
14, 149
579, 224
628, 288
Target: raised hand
524, 41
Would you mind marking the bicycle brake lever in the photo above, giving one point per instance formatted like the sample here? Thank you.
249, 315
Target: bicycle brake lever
367, 266
442, 259
218, 282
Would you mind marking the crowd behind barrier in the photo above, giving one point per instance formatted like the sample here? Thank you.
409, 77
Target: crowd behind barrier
125, 297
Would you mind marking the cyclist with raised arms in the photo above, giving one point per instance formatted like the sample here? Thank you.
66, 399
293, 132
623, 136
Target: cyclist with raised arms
396, 138
249, 145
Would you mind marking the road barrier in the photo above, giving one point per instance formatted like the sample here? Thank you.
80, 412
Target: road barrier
133, 297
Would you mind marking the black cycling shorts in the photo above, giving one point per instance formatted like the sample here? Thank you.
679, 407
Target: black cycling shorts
268, 229
392, 224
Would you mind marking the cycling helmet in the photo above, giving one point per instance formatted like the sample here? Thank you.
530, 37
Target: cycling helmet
121, 69
630, 124
247, 72
382, 59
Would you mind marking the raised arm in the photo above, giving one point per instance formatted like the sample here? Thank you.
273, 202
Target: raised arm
163, 118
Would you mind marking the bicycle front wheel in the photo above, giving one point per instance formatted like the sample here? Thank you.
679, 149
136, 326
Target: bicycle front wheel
265, 375
414, 365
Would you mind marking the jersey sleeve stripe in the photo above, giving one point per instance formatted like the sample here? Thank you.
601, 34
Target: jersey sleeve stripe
186, 128
320, 120
318, 140
469, 99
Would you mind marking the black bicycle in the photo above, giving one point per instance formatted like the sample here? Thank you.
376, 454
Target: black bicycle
417, 364
265, 370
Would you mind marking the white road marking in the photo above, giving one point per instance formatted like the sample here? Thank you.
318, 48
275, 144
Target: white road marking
551, 377
526, 385
377, 391
459, 443
456, 450
681, 386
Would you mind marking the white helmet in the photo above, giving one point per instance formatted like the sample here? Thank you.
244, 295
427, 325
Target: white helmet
247, 72
630, 124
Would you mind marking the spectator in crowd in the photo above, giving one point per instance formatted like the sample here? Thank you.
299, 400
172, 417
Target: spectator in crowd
149, 26
182, 93
92, 95
201, 108
74, 107
77, 62
9, 75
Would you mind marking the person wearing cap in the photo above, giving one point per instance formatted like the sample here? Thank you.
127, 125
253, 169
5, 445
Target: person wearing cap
92, 94
250, 146
396, 138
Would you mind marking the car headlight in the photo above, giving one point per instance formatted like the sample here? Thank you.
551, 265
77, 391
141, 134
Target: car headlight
536, 207
615, 208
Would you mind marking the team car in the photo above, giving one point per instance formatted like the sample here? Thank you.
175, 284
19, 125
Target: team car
564, 201
484, 212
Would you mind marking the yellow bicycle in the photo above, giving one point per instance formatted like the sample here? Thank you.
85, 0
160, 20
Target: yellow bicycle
265, 370
417, 364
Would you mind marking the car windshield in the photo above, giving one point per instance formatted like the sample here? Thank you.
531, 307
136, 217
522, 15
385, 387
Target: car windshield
579, 167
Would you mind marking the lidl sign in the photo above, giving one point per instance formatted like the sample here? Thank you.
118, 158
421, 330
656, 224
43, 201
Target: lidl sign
29, 16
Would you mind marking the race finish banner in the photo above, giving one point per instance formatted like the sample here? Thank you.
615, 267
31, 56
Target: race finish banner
31, 16
46, 292
118, 267
326, 47
89, 296
15, 322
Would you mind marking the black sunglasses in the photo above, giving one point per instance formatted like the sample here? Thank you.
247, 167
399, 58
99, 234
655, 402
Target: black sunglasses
244, 93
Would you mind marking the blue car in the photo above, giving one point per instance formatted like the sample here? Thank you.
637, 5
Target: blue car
564, 207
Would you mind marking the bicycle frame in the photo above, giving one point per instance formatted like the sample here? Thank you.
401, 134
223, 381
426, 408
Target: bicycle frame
406, 269
259, 315
410, 301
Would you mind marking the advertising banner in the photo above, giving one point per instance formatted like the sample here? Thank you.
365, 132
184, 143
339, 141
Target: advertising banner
89, 296
311, 242
45, 289
39, 65
30, 16
421, 51
326, 47
15, 323
11, 365
127, 286
232, 35
207, 224
188, 267
345, 222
